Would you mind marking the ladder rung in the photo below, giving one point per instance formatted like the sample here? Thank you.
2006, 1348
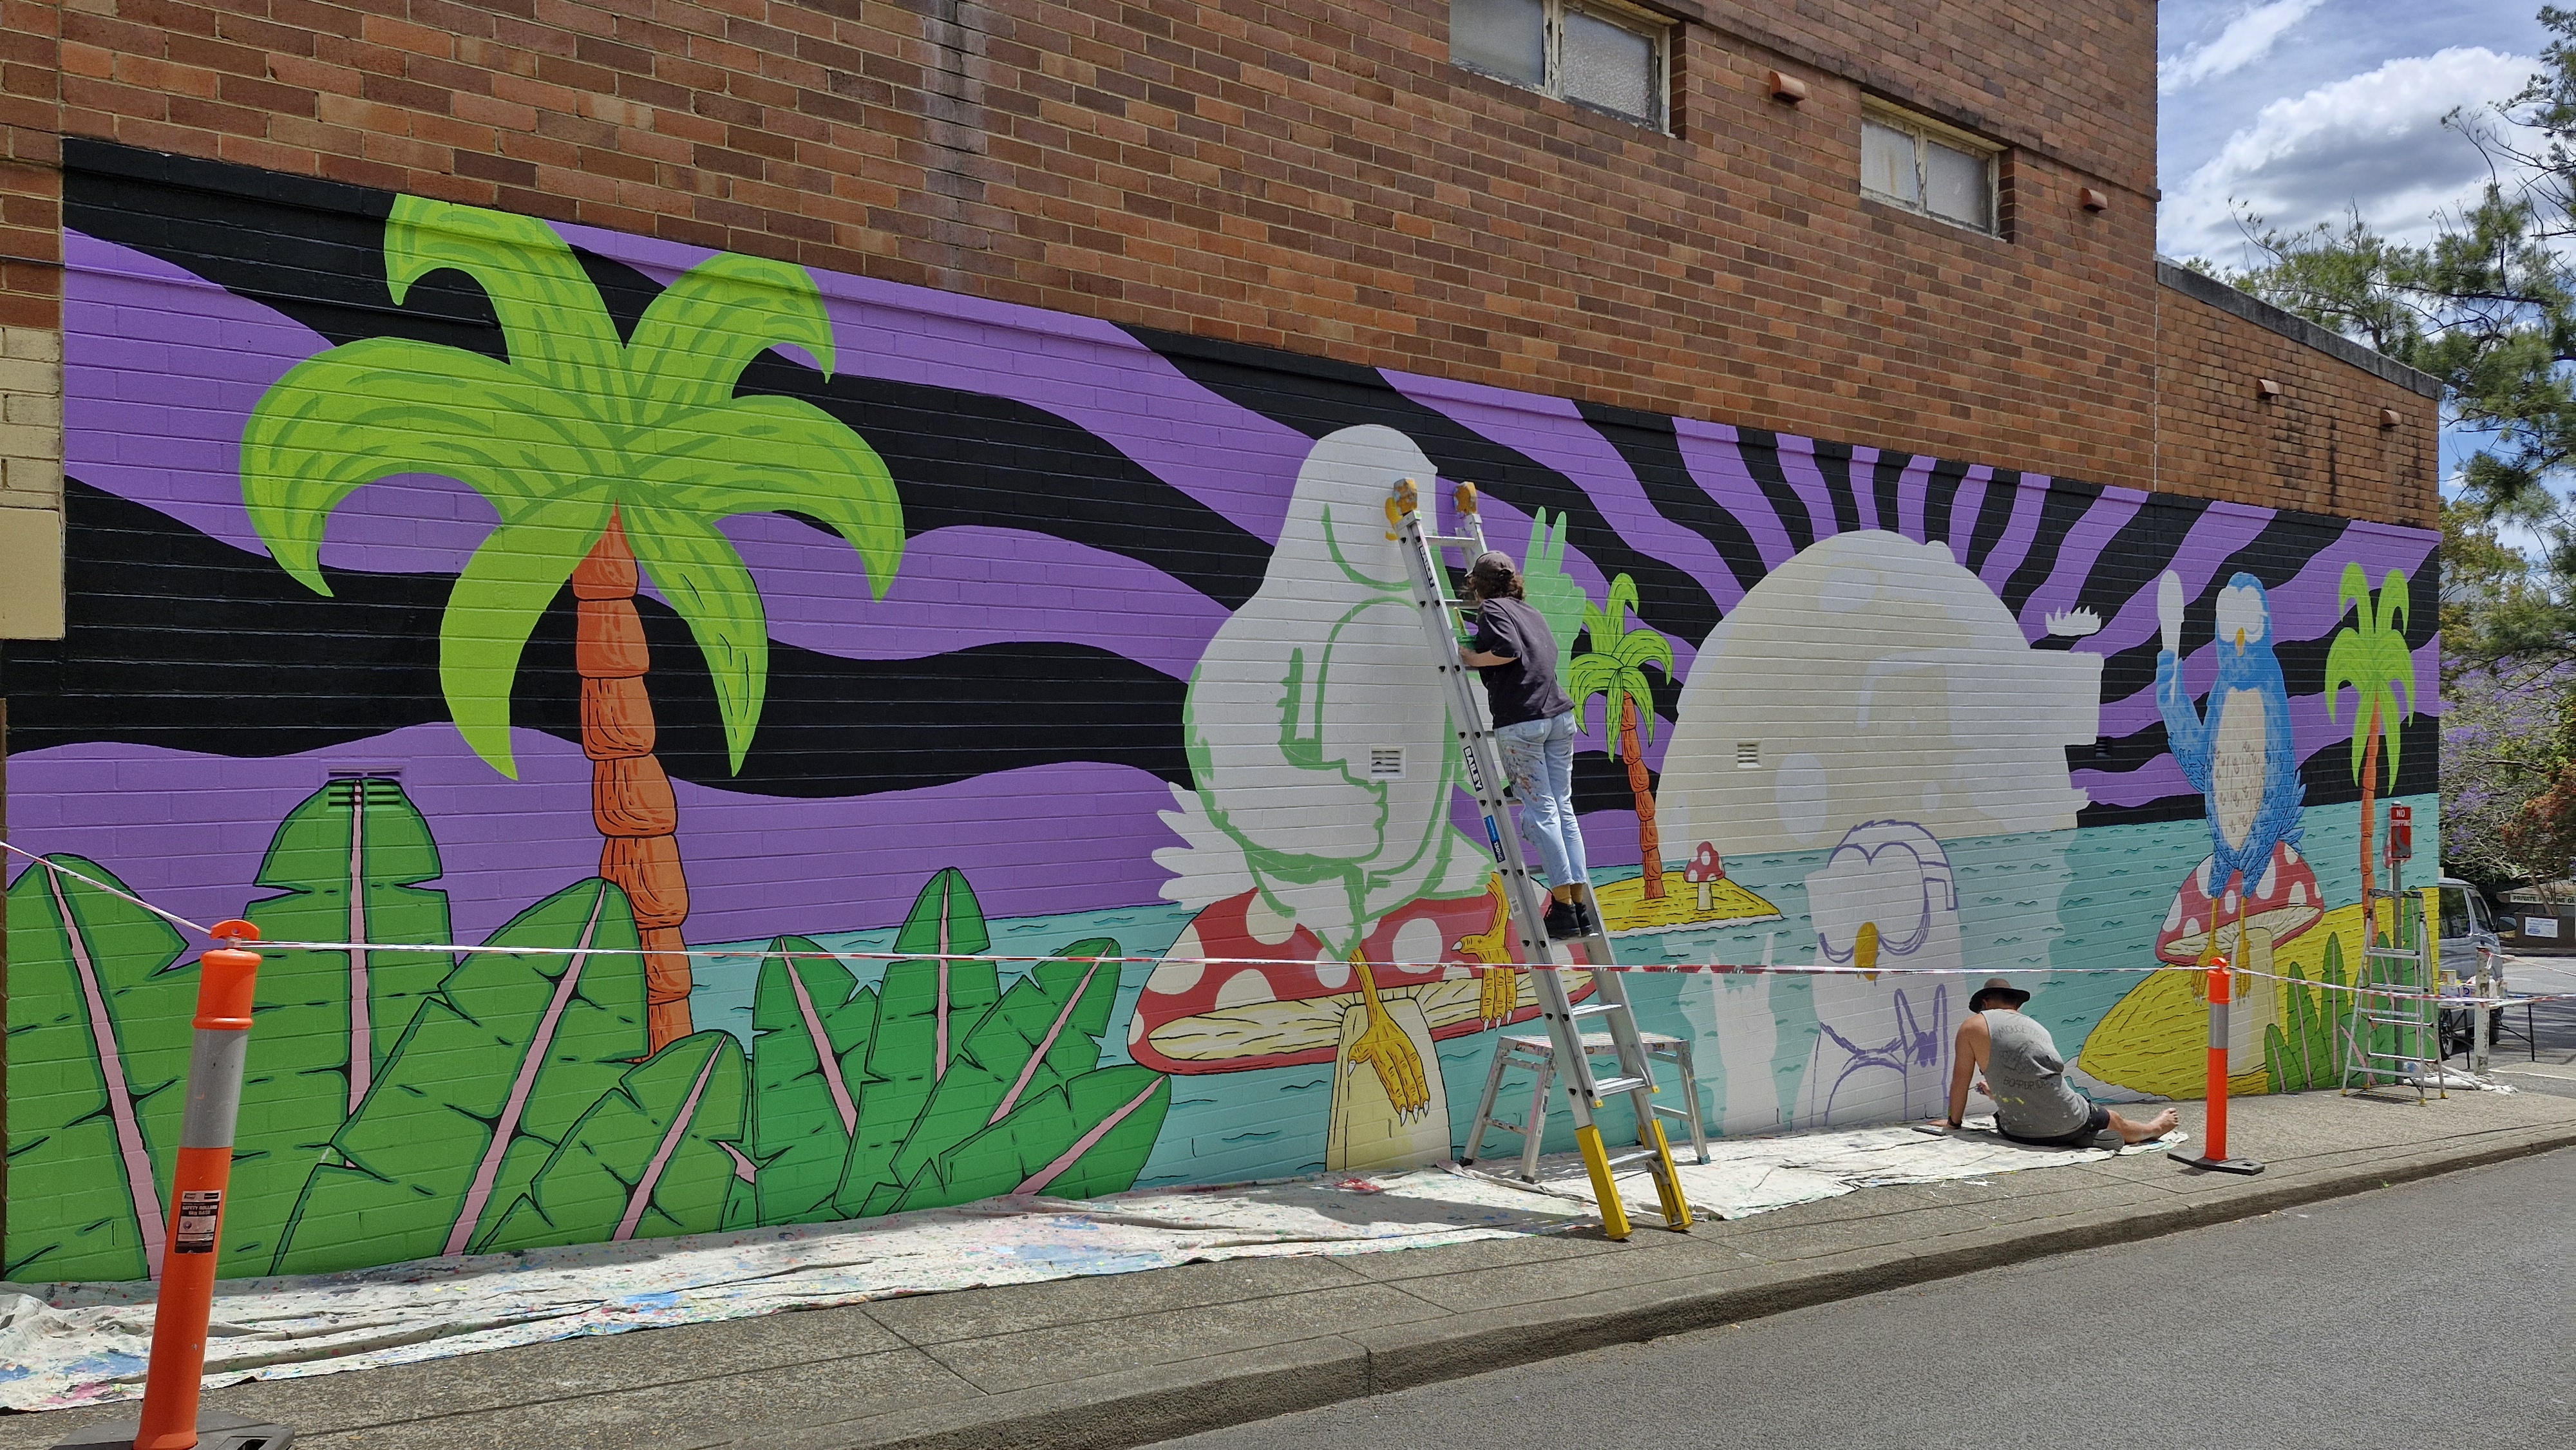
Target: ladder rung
1449, 541
1640, 1155
1669, 1112
1596, 1009
1603, 1087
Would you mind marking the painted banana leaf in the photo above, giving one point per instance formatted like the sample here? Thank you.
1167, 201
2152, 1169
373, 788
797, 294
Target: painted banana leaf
98, 1035
925, 1010
349, 859
1043, 1033
487, 1082
811, 1023
653, 1158
1085, 1137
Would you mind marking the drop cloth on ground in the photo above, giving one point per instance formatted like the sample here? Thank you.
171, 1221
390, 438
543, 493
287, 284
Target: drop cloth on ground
74, 1344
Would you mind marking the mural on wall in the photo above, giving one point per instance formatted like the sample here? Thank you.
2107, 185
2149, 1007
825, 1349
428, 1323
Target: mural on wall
1040, 712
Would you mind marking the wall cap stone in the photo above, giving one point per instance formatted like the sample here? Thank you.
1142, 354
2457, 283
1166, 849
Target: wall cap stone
2201, 287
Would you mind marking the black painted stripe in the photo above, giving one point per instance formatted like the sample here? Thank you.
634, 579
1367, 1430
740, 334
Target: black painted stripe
2003, 492
1761, 450
1316, 396
170, 630
2066, 503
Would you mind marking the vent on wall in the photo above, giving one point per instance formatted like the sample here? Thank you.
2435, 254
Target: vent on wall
1748, 755
1386, 762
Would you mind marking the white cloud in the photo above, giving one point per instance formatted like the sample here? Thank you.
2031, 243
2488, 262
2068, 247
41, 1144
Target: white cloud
2247, 39
2374, 140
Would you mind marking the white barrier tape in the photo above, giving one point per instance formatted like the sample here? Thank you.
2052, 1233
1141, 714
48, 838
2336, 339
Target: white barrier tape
454, 949
62, 870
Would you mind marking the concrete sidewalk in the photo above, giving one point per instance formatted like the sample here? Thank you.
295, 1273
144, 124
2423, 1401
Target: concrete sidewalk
1130, 1359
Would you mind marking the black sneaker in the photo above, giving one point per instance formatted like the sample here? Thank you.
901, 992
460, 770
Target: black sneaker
1564, 921
1584, 918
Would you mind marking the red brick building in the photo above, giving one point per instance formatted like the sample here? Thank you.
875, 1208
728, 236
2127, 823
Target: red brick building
374, 377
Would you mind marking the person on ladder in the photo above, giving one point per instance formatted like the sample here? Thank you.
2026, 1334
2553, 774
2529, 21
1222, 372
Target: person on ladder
1514, 654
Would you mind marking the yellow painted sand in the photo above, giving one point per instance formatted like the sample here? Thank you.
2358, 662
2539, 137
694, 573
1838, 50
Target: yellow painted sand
2156, 1040
1625, 908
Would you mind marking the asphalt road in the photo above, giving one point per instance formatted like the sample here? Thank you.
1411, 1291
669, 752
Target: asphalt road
2441, 1312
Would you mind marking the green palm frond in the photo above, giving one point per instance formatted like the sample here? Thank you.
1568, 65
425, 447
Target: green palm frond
557, 329
781, 455
705, 582
576, 428
505, 588
697, 337
1614, 667
2369, 658
382, 406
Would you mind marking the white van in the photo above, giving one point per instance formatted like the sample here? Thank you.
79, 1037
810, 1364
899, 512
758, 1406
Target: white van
2466, 928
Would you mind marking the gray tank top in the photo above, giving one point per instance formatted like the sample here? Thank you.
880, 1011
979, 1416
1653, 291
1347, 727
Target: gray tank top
2028, 1079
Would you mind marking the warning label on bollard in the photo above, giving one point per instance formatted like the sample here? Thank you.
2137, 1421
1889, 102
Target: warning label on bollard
199, 1210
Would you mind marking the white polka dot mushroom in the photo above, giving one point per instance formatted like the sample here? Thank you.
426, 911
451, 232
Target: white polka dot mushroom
2282, 904
1705, 870
1243, 989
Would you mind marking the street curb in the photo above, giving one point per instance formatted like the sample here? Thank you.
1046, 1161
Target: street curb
1144, 1406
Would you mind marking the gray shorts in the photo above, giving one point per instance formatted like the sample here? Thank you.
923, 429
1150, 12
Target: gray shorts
2094, 1122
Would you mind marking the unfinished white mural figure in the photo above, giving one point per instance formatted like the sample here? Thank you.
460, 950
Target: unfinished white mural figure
1873, 694
1885, 899
1300, 831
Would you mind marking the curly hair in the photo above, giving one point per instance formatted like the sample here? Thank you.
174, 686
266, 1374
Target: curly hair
1494, 576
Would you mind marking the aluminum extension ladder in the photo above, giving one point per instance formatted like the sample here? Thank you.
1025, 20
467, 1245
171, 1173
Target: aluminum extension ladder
2393, 1001
1547, 960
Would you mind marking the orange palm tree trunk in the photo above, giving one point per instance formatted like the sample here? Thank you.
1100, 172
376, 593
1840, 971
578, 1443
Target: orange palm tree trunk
1649, 844
2369, 818
630, 797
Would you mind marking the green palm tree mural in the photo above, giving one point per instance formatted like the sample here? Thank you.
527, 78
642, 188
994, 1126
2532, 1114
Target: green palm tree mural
1615, 669
598, 454
2369, 658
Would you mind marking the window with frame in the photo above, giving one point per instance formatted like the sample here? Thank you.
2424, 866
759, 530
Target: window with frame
1928, 168
1591, 52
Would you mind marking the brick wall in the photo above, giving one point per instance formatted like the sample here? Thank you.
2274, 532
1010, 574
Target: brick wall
2348, 433
1313, 175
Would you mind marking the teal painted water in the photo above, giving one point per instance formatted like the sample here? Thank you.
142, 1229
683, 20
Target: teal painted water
2050, 907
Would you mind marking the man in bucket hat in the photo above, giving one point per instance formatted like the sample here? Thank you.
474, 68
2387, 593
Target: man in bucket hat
2027, 1079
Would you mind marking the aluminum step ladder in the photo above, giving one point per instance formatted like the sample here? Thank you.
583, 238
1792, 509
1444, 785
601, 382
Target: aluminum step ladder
2392, 1034
1587, 1091
1536, 1055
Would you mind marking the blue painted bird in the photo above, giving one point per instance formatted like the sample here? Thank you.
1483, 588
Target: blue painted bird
2240, 755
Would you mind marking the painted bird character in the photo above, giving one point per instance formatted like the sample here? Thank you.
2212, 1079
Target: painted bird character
2239, 754
1300, 690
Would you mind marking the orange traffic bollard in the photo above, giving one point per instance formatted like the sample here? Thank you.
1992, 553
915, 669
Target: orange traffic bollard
225, 977
2214, 1130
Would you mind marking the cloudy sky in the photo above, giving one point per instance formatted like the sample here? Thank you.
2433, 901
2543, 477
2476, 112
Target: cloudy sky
2303, 109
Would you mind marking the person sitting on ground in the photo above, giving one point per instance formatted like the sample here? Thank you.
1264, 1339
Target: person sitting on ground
2027, 1079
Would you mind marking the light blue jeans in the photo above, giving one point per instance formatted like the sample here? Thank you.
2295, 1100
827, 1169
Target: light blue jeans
1539, 754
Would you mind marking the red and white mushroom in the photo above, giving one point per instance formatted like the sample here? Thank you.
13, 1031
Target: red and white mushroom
1705, 870
2283, 902
1281, 1002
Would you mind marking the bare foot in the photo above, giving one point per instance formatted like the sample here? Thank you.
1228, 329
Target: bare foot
2140, 1132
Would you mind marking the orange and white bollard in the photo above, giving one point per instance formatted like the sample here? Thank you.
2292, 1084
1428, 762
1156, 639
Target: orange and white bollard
2213, 1153
226, 975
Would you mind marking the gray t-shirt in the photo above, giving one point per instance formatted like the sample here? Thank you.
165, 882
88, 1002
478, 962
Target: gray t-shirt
1525, 689
2028, 1079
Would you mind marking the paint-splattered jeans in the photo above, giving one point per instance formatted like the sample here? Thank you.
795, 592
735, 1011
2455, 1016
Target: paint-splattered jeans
1539, 755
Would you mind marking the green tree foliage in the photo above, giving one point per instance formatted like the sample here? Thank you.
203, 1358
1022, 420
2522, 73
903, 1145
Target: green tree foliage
2488, 306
